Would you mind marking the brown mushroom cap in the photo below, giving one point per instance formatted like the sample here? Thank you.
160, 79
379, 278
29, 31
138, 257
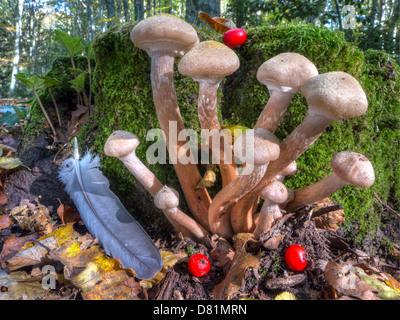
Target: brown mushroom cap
275, 192
286, 72
353, 168
291, 169
209, 59
166, 198
164, 33
337, 95
120, 143
266, 145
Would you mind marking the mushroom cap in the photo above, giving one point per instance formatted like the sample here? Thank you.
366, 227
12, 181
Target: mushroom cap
337, 95
353, 168
291, 169
209, 60
264, 146
166, 198
164, 33
275, 192
120, 143
286, 72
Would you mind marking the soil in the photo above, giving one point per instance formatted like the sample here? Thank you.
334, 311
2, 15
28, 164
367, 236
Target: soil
271, 277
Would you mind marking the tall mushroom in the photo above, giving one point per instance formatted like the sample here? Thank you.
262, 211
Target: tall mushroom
208, 63
264, 147
283, 75
331, 96
273, 194
164, 37
122, 145
348, 168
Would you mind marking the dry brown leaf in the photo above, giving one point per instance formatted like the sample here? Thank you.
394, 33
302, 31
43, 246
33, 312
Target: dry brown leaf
331, 220
345, 281
3, 198
222, 252
14, 244
67, 213
5, 221
242, 260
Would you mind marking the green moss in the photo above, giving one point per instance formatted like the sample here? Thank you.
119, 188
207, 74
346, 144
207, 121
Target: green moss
124, 101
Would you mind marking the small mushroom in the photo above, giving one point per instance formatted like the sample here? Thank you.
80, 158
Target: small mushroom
165, 37
273, 194
167, 199
283, 75
348, 168
122, 145
331, 96
264, 148
208, 63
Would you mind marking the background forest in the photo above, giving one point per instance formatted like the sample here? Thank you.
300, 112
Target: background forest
28, 44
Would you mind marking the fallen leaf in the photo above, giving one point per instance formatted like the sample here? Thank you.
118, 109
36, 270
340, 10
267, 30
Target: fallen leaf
331, 220
3, 198
14, 244
67, 213
242, 260
170, 259
10, 163
222, 252
287, 282
5, 221
208, 179
217, 26
285, 296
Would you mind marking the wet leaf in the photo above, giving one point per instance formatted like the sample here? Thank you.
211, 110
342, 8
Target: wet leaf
242, 260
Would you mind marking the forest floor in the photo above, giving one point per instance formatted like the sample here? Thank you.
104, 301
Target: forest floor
243, 269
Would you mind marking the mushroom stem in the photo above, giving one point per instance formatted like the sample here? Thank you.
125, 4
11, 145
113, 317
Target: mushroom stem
208, 117
274, 110
165, 101
291, 148
146, 178
315, 192
269, 213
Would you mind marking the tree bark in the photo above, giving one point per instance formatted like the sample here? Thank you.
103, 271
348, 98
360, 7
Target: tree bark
90, 19
110, 12
212, 7
126, 10
17, 46
139, 10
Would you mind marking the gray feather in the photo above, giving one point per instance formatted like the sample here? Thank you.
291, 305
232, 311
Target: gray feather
106, 218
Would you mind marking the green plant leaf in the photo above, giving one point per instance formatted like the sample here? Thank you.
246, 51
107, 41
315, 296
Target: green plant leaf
78, 84
9, 118
50, 82
73, 45
75, 71
30, 101
88, 48
34, 82
20, 112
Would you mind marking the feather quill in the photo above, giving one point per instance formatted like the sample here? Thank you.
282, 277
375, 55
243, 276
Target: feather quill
106, 218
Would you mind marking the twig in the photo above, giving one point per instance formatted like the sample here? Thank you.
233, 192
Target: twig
385, 205
325, 210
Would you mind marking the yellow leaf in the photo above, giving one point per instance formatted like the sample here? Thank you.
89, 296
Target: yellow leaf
231, 133
169, 261
10, 163
285, 296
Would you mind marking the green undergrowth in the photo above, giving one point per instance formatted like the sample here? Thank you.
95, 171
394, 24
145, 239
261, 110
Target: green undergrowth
124, 102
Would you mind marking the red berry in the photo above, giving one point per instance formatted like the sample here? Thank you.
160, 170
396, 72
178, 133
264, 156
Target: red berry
198, 265
234, 38
295, 257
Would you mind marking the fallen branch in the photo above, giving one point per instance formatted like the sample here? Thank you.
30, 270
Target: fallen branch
385, 205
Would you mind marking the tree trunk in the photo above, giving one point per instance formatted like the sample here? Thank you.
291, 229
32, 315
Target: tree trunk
126, 10
90, 19
212, 7
17, 46
139, 10
110, 12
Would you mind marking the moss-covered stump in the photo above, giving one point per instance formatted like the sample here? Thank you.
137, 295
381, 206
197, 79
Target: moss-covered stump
124, 101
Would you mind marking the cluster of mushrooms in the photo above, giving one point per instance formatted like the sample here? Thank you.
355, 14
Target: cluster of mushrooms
331, 96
